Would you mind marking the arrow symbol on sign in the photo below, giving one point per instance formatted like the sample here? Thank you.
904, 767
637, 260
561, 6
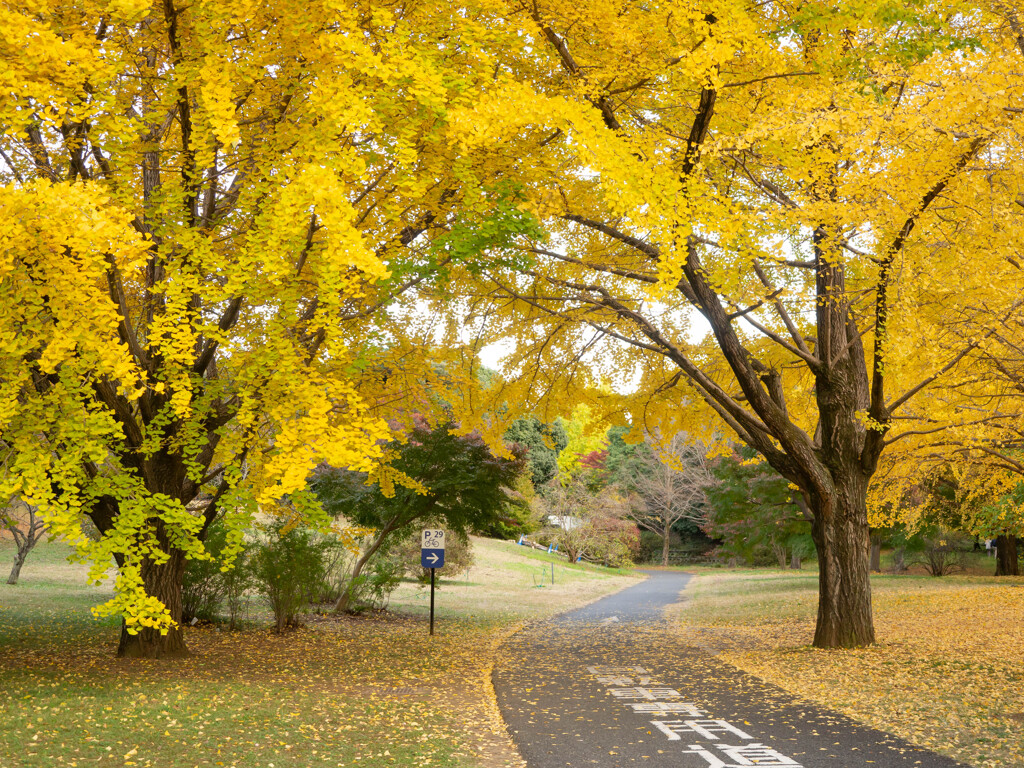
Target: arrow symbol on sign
432, 558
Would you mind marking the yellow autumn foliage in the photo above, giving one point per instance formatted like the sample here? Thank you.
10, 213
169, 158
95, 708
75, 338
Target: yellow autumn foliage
207, 211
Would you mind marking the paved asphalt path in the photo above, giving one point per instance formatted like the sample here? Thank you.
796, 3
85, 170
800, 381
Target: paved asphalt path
609, 685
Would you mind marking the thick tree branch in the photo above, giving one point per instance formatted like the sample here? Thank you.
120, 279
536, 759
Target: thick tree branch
878, 410
189, 181
615, 234
627, 273
40, 155
698, 131
794, 332
661, 344
125, 330
572, 68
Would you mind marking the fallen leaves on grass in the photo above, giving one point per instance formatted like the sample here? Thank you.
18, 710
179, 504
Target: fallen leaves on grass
343, 692
371, 692
946, 673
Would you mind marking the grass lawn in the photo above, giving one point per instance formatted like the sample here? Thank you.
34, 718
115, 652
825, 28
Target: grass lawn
508, 582
369, 692
947, 671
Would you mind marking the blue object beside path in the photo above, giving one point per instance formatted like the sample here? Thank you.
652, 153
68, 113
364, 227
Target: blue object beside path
432, 558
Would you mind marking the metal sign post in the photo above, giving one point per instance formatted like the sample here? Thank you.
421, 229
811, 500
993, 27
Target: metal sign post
432, 557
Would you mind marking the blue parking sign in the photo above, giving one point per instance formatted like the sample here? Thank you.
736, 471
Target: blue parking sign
432, 548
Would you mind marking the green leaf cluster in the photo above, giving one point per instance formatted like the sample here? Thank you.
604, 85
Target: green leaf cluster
751, 507
542, 442
468, 486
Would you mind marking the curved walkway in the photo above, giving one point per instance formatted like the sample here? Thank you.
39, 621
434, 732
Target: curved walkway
610, 685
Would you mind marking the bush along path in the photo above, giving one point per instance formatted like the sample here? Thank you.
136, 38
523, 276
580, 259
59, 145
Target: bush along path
611, 685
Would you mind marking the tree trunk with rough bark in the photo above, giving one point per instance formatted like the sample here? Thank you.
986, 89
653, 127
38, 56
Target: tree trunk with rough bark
162, 581
779, 550
840, 533
876, 556
664, 544
165, 473
1006, 556
19, 560
899, 562
345, 598
26, 530
794, 561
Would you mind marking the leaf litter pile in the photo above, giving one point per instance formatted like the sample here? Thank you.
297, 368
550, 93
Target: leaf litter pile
364, 692
947, 672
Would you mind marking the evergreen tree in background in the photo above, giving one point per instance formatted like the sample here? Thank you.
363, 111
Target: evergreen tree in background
543, 443
751, 510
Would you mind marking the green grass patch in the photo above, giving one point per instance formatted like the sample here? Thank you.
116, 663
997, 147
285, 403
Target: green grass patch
509, 583
743, 596
225, 709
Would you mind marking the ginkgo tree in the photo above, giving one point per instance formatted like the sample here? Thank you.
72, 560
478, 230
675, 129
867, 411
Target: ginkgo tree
204, 208
756, 211
978, 449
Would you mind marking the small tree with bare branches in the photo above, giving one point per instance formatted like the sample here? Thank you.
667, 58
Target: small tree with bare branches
670, 486
27, 529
